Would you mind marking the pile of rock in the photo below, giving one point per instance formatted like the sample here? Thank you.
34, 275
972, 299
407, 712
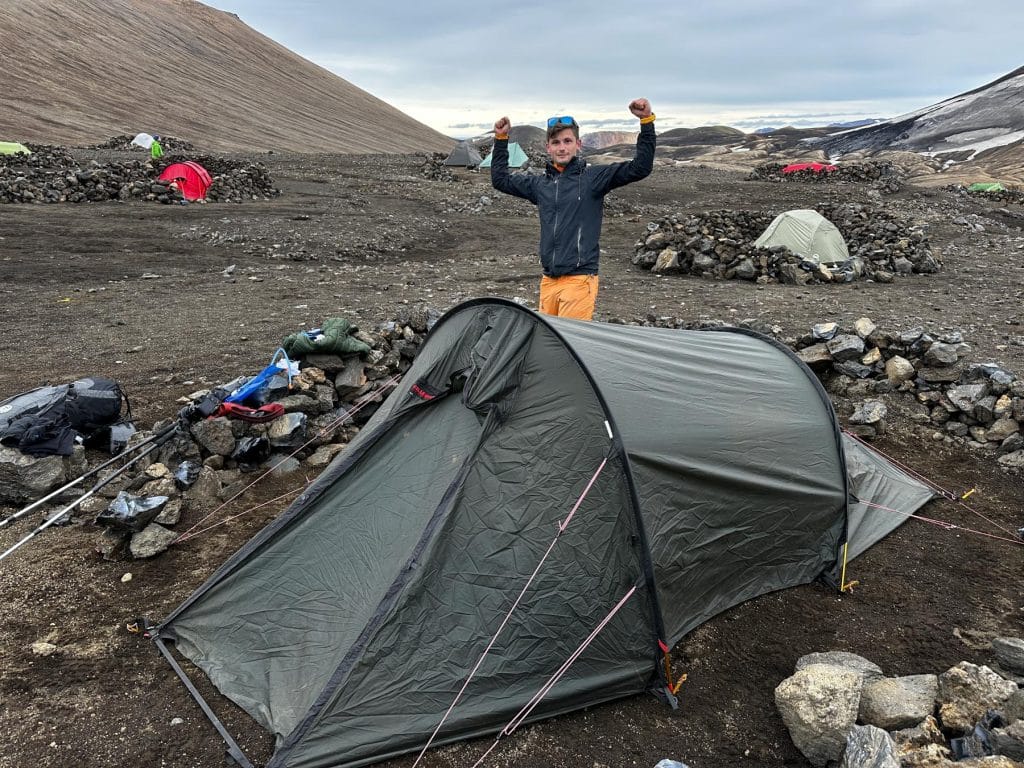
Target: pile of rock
720, 244
168, 143
52, 175
233, 181
433, 168
883, 175
475, 204
248, 182
43, 156
66, 182
840, 707
212, 460
978, 405
1013, 196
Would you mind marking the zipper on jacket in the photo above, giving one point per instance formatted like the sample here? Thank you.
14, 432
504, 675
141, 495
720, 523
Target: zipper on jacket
554, 232
579, 237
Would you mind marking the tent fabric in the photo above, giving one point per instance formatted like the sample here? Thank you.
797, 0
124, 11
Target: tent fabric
143, 140
806, 233
815, 167
348, 625
13, 148
464, 154
517, 157
982, 186
192, 179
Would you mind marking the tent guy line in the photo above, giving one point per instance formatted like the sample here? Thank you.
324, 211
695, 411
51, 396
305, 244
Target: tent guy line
348, 414
947, 526
525, 712
561, 529
946, 494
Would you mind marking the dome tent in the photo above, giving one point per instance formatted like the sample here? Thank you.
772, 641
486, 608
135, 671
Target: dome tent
192, 179
390, 573
806, 233
13, 148
465, 155
517, 157
143, 140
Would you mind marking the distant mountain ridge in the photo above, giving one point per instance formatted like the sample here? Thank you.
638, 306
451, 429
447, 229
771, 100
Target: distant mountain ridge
81, 71
961, 127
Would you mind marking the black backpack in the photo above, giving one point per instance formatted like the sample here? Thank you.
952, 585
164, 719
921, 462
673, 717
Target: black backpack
46, 421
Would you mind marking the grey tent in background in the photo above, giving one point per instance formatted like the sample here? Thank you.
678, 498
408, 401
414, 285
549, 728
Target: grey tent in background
349, 624
806, 233
464, 155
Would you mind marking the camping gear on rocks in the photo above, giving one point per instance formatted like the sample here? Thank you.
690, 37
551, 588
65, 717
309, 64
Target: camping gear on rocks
254, 389
187, 473
472, 479
150, 444
334, 337
809, 167
203, 408
46, 421
251, 451
128, 513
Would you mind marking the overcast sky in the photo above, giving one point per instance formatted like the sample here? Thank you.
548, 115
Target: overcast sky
458, 66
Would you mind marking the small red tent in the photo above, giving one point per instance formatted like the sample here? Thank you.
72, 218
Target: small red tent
815, 167
192, 179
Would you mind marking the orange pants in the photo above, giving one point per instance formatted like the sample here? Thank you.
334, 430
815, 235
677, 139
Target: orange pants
569, 296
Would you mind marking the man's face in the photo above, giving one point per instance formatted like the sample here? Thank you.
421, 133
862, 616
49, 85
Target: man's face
563, 146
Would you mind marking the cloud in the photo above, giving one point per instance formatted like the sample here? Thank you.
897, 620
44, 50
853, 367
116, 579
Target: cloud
699, 60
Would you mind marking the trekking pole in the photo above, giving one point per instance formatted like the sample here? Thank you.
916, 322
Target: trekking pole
25, 510
58, 516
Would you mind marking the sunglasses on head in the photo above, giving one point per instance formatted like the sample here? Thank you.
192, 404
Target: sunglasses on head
561, 120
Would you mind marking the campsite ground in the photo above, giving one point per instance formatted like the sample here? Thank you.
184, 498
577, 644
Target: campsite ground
143, 293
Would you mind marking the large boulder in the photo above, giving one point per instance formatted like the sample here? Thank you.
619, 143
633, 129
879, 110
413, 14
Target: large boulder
819, 704
967, 691
893, 703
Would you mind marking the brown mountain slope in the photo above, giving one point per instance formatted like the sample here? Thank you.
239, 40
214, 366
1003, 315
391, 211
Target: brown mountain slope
81, 71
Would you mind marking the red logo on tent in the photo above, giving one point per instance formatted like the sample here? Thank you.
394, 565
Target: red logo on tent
191, 178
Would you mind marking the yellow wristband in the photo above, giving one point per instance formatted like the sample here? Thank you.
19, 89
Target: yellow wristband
648, 119
501, 136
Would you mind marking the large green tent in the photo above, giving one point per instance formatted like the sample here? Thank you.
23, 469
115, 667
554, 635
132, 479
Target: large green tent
716, 473
808, 234
517, 157
13, 148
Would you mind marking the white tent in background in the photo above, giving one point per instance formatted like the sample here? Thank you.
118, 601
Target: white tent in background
143, 140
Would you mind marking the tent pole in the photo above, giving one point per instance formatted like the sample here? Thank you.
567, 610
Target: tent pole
233, 749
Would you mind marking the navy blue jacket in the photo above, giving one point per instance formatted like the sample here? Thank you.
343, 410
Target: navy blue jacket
571, 203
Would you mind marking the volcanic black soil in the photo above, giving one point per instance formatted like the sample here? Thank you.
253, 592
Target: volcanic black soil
169, 299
